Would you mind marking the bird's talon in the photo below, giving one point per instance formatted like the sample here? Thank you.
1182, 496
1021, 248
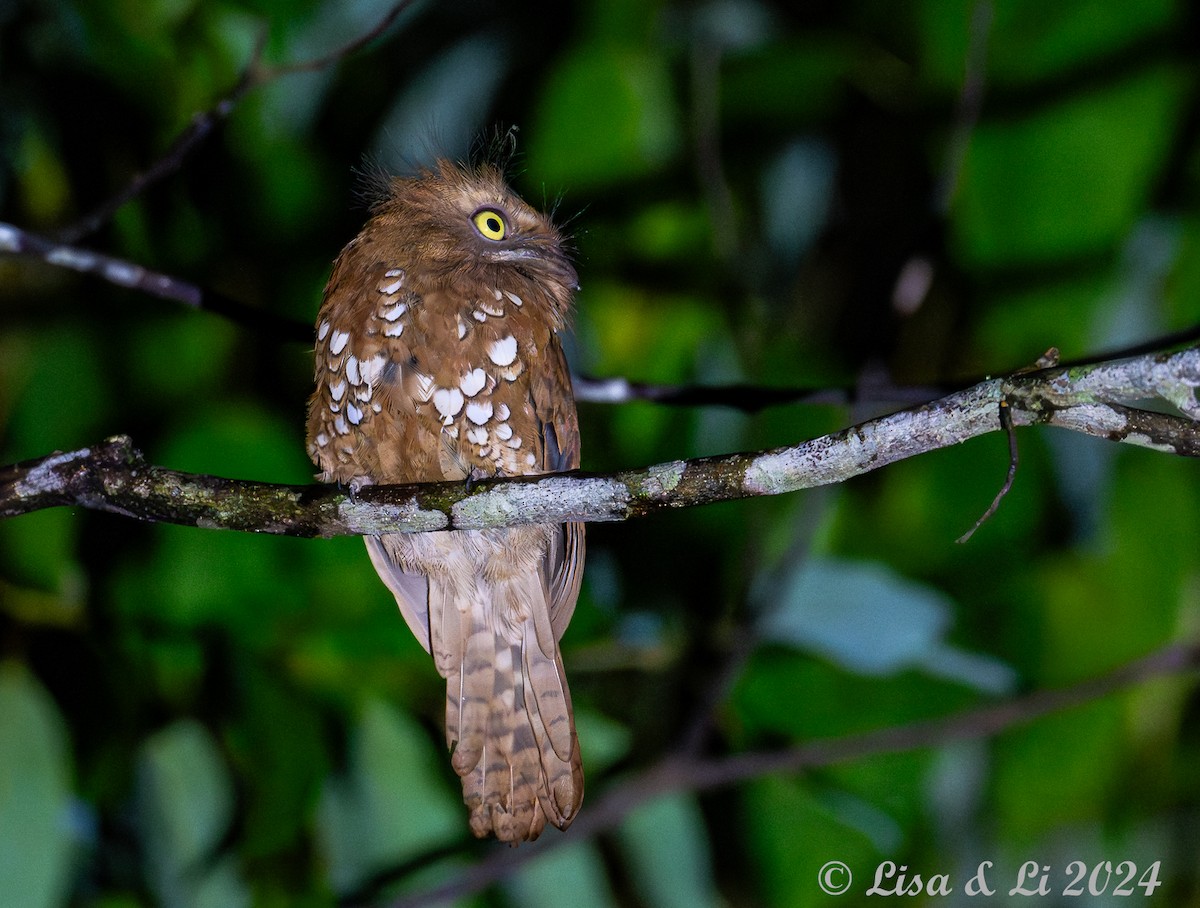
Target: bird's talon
474, 476
356, 485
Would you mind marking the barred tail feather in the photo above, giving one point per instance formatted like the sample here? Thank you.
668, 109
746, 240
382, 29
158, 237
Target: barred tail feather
520, 780
480, 672
492, 623
561, 793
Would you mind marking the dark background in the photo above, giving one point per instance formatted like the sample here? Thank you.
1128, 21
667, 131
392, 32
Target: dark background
209, 718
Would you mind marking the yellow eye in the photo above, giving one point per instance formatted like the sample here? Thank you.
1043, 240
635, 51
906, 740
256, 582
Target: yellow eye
490, 224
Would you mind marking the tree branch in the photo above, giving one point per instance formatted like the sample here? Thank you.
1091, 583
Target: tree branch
16, 241
699, 774
1094, 399
203, 123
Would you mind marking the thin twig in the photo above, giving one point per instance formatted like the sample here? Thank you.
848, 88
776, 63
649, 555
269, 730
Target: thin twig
133, 276
1006, 423
203, 123
199, 129
346, 50
970, 102
749, 398
705, 65
915, 278
745, 397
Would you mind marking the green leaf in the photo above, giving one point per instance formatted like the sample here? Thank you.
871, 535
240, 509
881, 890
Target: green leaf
185, 808
1068, 180
390, 805
35, 794
667, 849
1030, 41
180, 357
278, 746
788, 82
42, 182
198, 577
241, 440
783, 692
58, 408
453, 94
574, 872
875, 622
790, 836
38, 549
608, 114
1182, 291
602, 741
1085, 747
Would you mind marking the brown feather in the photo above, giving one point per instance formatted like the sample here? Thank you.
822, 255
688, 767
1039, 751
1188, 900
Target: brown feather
438, 357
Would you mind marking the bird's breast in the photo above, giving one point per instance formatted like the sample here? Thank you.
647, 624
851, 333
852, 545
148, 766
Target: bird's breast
423, 386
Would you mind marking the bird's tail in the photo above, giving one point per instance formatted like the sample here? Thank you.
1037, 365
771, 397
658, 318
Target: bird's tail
509, 721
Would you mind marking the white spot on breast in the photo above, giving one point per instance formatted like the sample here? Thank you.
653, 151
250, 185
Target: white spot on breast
513, 371
477, 435
377, 407
516, 300
354, 414
363, 392
394, 330
514, 443
502, 352
322, 331
502, 412
394, 272
496, 293
479, 316
448, 402
394, 312
462, 327
391, 288
497, 311
504, 431
352, 370
531, 460
337, 343
479, 412
340, 425
472, 383
322, 439
336, 391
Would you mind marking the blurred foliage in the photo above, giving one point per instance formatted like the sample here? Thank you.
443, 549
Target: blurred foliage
194, 718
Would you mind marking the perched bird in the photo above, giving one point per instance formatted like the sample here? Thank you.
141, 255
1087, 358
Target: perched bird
438, 358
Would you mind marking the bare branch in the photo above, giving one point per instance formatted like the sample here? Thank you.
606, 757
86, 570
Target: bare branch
346, 50
970, 103
695, 774
203, 123
113, 476
123, 273
744, 397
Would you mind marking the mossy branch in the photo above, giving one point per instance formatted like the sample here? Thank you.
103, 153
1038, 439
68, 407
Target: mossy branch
1095, 399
